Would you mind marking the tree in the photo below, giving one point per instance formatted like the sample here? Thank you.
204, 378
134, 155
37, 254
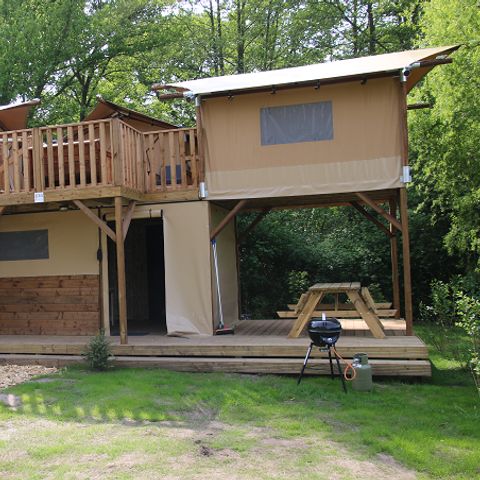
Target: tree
446, 139
38, 38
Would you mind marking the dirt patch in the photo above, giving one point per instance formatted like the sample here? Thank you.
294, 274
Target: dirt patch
216, 451
12, 374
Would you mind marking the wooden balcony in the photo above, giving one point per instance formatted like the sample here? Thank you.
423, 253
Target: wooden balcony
104, 158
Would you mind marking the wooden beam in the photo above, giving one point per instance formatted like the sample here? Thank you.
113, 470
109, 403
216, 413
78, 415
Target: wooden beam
169, 96
164, 86
97, 221
436, 61
254, 223
370, 217
200, 144
121, 278
419, 106
394, 261
231, 214
370, 317
407, 277
312, 299
128, 218
366, 199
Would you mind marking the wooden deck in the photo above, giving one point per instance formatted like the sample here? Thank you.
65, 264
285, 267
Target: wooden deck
353, 327
261, 353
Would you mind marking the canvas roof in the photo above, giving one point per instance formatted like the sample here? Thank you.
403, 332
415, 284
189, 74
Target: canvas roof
105, 109
328, 71
15, 115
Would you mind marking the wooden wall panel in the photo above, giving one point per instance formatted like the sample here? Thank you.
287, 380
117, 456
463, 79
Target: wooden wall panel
51, 305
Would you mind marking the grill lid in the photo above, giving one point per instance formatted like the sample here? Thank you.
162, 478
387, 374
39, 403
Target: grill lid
324, 332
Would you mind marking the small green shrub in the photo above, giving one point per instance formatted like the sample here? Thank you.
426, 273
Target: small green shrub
468, 309
298, 283
98, 352
442, 314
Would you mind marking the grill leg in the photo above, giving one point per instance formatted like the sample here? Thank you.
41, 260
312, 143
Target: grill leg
341, 373
331, 362
307, 356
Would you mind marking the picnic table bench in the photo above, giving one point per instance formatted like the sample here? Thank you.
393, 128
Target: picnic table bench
359, 297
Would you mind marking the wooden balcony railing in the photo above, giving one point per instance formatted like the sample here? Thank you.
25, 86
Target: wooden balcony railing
172, 160
103, 153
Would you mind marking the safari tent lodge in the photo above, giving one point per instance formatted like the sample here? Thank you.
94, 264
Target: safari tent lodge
109, 223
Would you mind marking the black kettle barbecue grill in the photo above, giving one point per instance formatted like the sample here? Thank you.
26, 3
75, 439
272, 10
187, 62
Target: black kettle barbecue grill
324, 333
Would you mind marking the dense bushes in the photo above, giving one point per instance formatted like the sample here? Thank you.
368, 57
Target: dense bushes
456, 305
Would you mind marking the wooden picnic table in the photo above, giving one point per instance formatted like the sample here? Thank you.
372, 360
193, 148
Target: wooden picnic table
360, 298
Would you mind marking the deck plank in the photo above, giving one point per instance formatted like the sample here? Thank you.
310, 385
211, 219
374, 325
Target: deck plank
382, 367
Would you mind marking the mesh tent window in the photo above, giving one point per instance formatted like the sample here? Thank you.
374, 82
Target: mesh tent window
24, 245
308, 122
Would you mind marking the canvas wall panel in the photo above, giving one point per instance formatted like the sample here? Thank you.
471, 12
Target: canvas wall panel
72, 244
188, 287
363, 155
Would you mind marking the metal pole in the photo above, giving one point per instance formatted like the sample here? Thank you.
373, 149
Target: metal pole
217, 281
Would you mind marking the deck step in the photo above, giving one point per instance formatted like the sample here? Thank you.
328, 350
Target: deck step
380, 367
397, 347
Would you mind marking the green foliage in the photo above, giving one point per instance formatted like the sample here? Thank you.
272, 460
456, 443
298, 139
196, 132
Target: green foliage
446, 139
442, 314
325, 245
98, 352
468, 309
454, 306
298, 283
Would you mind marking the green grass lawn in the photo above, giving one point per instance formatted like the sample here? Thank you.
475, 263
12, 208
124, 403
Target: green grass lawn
79, 421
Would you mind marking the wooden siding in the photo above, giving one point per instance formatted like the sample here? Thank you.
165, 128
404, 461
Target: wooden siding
53, 305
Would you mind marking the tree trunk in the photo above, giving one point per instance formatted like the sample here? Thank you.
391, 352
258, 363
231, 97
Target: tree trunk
240, 36
372, 34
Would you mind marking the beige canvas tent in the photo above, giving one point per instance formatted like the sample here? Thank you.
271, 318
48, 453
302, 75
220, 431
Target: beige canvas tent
105, 198
319, 129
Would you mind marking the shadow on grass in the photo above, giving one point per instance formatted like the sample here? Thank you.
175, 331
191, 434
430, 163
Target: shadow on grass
431, 426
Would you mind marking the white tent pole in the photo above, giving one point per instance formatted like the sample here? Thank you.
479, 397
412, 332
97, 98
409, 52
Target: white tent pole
217, 281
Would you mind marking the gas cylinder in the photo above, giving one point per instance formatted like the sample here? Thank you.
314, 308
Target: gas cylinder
363, 378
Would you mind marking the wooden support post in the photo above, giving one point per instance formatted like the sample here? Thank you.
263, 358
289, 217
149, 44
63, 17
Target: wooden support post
394, 261
200, 143
407, 276
121, 279
231, 214
366, 199
128, 218
118, 163
37, 159
370, 217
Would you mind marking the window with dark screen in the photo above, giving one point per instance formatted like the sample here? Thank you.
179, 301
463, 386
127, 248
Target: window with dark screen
308, 122
24, 245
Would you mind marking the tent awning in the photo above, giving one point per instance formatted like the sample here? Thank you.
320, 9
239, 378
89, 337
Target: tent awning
105, 109
15, 115
387, 64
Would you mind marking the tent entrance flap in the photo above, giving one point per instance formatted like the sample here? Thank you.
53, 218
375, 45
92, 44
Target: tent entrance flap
145, 278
